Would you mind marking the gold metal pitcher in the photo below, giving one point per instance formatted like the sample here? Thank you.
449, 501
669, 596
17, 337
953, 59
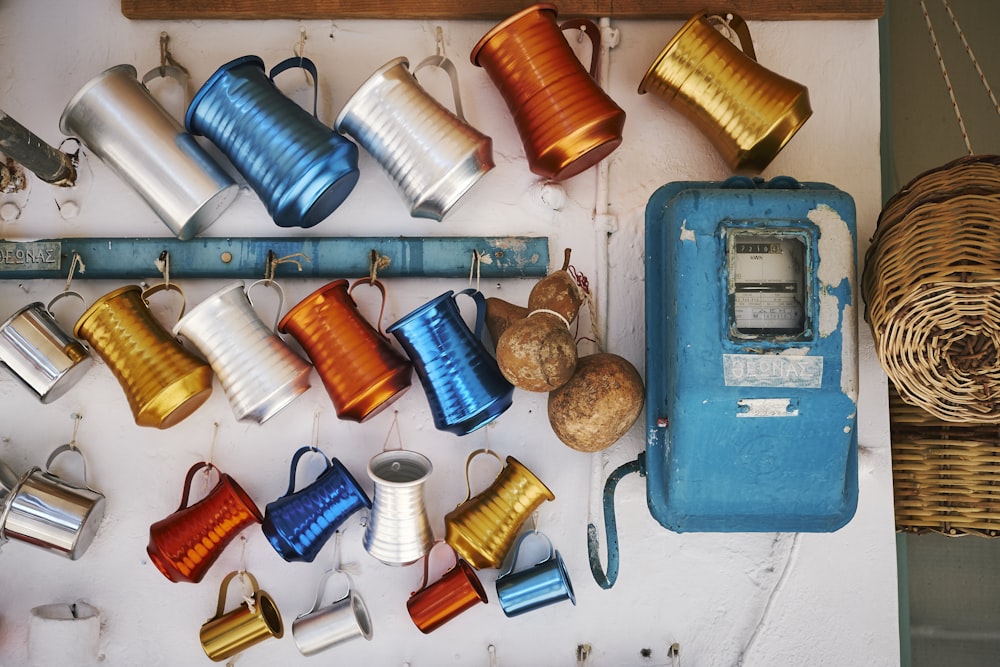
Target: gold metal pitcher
163, 382
226, 634
747, 111
482, 529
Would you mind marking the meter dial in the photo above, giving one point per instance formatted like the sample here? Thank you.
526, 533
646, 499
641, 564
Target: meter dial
768, 284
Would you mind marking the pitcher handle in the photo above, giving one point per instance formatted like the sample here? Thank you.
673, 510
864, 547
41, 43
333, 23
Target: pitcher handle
603, 580
295, 465
480, 300
281, 298
190, 477
517, 551
468, 462
171, 72
374, 282
224, 589
595, 39
324, 581
304, 63
161, 287
61, 295
739, 26
443, 63
427, 560
69, 448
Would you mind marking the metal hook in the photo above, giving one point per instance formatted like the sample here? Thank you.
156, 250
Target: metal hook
300, 50
167, 58
395, 424
475, 268
76, 425
439, 42
163, 264
315, 433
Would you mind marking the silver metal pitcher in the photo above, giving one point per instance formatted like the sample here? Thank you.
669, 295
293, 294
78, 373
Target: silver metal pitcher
432, 156
398, 530
48, 512
118, 119
258, 371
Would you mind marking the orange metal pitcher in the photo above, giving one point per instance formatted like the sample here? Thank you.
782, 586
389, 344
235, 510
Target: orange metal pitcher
362, 372
163, 382
566, 122
184, 545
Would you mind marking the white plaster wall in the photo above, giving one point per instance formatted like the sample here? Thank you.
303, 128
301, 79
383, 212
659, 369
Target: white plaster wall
727, 599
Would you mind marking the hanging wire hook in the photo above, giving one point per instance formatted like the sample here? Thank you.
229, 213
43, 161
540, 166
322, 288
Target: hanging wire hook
300, 50
76, 416
163, 264
75, 263
474, 268
315, 433
166, 58
372, 266
394, 425
439, 42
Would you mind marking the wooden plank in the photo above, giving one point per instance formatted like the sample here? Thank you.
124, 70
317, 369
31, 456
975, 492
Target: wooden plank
766, 10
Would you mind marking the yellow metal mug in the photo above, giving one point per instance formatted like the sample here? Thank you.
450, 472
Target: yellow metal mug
747, 111
163, 382
482, 530
226, 634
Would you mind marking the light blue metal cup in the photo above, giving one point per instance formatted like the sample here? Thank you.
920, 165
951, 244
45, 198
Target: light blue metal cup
301, 169
300, 522
544, 583
462, 381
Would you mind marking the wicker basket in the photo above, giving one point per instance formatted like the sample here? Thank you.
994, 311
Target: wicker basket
932, 290
945, 476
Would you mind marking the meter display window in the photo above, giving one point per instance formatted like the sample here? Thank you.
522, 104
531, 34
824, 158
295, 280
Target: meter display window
767, 283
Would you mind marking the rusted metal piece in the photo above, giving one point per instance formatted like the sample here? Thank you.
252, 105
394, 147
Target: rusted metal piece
48, 163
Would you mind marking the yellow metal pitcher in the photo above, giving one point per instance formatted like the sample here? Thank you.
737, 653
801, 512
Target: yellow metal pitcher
747, 111
482, 529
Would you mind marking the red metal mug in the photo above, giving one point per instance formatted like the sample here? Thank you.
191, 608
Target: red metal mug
184, 545
566, 122
457, 590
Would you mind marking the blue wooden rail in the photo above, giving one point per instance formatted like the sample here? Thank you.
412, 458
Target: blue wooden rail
318, 257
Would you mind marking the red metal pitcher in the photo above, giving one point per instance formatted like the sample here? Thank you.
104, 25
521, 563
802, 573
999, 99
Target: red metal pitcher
184, 545
566, 122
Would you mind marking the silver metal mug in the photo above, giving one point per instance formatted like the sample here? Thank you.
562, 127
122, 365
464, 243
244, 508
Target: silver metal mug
343, 619
398, 530
118, 119
432, 156
48, 512
260, 374
39, 353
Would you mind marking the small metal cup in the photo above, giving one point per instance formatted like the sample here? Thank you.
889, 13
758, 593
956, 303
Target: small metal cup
458, 590
540, 585
228, 633
324, 627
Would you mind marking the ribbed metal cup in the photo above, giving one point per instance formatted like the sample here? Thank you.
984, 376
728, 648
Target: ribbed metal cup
163, 382
462, 382
228, 633
362, 372
301, 169
185, 544
432, 155
260, 374
482, 529
566, 122
747, 111
398, 531
46, 359
118, 119
300, 522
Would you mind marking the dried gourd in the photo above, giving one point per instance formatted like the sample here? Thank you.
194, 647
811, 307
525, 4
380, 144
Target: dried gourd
537, 353
558, 292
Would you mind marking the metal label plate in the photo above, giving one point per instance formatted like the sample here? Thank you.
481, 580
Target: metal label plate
772, 370
30, 256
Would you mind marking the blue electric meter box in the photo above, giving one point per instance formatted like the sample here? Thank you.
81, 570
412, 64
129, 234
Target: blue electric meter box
751, 356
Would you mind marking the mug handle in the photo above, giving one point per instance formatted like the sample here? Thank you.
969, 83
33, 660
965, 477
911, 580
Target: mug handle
374, 282
517, 551
281, 298
737, 25
168, 72
185, 495
324, 582
63, 294
162, 287
295, 464
427, 560
480, 300
449, 69
304, 63
224, 589
468, 461
594, 33
69, 448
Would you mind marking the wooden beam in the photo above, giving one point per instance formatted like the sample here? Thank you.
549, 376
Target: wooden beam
765, 10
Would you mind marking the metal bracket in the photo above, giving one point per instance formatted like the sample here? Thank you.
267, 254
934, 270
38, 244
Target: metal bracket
325, 257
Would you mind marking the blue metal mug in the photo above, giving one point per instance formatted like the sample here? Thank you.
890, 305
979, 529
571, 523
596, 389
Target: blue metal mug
461, 379
544, 583
301, 169
300, 522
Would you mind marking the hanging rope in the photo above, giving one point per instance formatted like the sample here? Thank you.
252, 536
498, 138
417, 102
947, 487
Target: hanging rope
972, 56
947, 79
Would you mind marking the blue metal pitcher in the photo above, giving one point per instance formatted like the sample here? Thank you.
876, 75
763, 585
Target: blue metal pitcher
301, 169
300, 522
461, 379
544, 583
